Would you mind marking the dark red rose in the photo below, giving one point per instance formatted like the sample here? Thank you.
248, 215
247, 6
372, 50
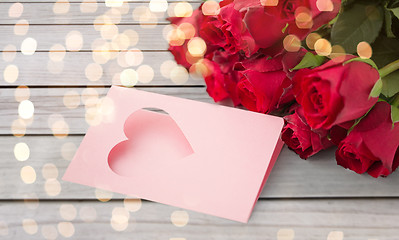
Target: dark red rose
299, 17
372, 146
215, 80
265, 27
301, 138
335, 92
264, 85
228, 31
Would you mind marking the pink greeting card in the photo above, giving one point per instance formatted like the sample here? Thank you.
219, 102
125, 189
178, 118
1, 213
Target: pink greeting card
199, 156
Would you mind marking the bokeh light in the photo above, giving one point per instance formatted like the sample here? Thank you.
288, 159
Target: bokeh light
93, 72
179, 218
57, 53
28, 174
338, 53
210, 8
167, 67
68, 150
114, 3
335, 235
183, 9
16, 10
286, 234
21, 151
364, 50
158, 5
179, 75
103, 195
269, 3
18, 127
196, 47
129, 77
21, 27
131, 204
49, 232
10, 73
145, 73
68, 212
28, 46
71, 99
9, 53
325, 5
88, 6
292, 43
323, 47
303, 18
49, 171
61, 7
66, 229
74, 41
52, 187
26, 109
29, 226
21, 93
311, 39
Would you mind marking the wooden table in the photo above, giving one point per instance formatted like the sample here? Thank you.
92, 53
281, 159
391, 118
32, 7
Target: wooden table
70, 69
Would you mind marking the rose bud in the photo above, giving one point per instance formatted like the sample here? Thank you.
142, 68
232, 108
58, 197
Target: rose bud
372, 145
335, 92
300, 138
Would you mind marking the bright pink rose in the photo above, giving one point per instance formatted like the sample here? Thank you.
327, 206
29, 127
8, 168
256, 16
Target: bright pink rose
372, 146
301, 138
335, 92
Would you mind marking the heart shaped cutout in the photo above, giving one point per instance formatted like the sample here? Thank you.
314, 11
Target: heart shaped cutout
153, 140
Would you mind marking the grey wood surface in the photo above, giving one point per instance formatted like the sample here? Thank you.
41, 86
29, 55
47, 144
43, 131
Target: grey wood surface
313, 199
72, 70
349, 219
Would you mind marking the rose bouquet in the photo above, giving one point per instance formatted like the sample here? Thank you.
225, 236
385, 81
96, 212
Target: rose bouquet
329, 67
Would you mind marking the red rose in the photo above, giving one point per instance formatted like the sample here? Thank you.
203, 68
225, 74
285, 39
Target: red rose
335, 92
300, 17
301, 138
228, 31
264, 85
179, 48
372, 146
214, 80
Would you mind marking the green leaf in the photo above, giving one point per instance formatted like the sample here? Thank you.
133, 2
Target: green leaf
358, 23
376, 91
395, 114
309, 61
385, 51
368, 61
390, 84
388, 24
395, 12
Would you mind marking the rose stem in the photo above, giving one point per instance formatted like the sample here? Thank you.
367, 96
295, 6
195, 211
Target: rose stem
388, 69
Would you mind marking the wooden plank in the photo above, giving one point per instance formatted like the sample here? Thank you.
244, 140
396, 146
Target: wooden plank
71, 13
49, 102
88, 1
51, 36
287, 219
40, 70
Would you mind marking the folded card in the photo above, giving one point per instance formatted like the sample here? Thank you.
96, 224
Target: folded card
203, 157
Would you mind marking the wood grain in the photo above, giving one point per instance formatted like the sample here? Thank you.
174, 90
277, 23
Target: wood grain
305, 219
50, 101
291, 177
38, 70
43, 13
148, 38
